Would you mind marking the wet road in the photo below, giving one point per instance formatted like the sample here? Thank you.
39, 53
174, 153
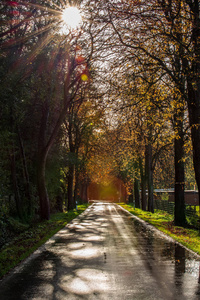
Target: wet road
106, 253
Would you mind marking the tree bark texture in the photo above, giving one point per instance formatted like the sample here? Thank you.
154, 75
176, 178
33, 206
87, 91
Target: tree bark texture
71, 202
136, 185
179, 213
192, 73
18, 201
149, 169
41, 165
83, 192
143, 186
76, 188
42, 190
136, 193
26, 175
194, 116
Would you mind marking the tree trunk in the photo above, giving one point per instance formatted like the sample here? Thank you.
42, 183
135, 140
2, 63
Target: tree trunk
71, 202
136, 185
76, 188
193, 87
136, 193
194, 116
18, 201
179, 213
84, 195
143, 186
149, 169
45, 146
76, 193
42, 191
26, 175
41, 165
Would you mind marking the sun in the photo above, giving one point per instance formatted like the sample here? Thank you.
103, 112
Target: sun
71, 17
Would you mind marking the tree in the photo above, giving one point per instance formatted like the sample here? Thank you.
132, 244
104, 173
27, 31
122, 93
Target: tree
156, 34
179, 28
184, 22
71, 86
37, 44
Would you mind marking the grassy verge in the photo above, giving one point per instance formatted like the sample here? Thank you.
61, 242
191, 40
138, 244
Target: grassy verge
164, 222
27, 242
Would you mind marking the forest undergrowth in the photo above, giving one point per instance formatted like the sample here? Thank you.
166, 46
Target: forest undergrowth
25, 243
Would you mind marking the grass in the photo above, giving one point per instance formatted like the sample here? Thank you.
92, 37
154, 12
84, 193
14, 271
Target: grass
164, 222
27, 242
195, 208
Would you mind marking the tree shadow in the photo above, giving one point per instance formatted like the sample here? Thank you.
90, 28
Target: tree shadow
70, 266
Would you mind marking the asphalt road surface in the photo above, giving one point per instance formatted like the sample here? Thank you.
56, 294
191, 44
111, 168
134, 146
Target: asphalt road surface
106, 253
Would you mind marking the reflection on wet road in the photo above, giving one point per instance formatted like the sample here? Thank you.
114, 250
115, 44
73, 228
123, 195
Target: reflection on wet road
106, 253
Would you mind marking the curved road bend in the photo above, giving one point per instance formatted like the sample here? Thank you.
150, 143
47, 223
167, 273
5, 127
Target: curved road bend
106, 253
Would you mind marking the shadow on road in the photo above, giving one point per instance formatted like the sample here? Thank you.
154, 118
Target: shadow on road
105, 254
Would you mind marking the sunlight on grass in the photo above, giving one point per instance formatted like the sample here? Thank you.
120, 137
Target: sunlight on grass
164, 222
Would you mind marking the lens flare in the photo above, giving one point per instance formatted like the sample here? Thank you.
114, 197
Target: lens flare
84, 77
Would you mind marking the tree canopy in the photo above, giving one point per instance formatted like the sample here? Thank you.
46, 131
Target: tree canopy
115, 97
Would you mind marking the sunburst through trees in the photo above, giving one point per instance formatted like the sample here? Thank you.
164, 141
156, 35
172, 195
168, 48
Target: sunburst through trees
23, 23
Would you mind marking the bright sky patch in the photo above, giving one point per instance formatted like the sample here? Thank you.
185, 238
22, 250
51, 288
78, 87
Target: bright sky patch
71, 17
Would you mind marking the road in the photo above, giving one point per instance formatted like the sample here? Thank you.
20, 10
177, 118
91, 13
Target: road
106, 253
